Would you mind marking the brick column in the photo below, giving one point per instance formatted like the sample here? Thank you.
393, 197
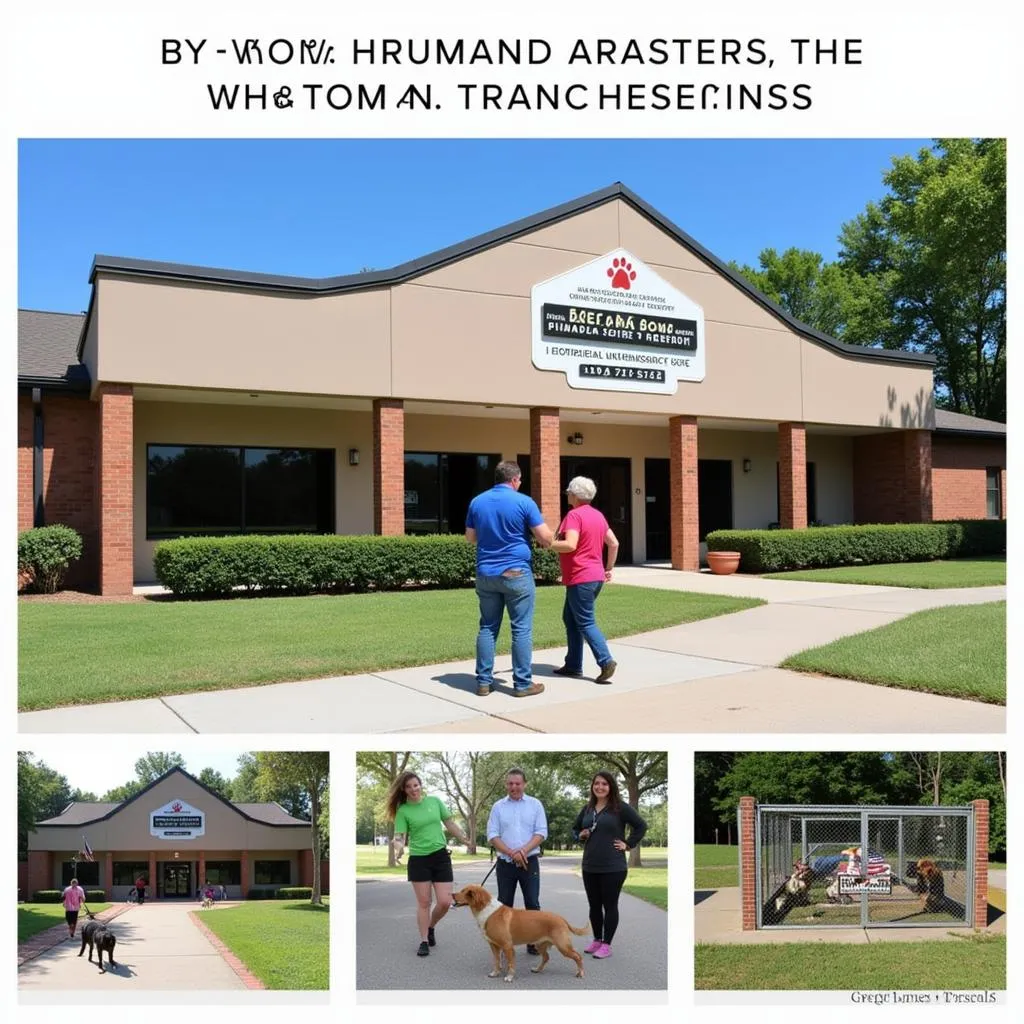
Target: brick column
545, 463
115, 488
792, 476
108, 874
40, 871
917, 476
389, 467
980, 863
201, 880
1002, 492
151, 889
683, 508
748, 873
245, 874
305, 867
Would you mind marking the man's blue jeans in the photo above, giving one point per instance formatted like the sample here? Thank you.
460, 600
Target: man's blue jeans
516, 591
509, 876
580, 625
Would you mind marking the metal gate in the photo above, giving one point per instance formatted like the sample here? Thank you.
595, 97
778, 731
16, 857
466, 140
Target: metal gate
876, 867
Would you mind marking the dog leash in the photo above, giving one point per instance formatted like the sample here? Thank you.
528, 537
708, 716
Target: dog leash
491, 872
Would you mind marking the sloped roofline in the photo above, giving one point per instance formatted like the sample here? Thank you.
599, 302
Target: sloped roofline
442, 257
181, 771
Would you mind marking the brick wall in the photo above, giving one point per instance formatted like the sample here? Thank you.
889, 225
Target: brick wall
389, 467
40, 871
959, 467
980, 863
116, 511
545, 466
70, 430
683, 510
792, 476
748, 871
892, 479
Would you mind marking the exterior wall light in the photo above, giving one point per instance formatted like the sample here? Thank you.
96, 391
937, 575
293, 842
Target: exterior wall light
576, 438
746, 465
353, 456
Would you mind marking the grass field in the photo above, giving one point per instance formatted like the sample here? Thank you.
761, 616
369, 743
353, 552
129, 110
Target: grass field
83, 653
373, 860
957, 651
715, 866
971, 962
962, 572
650, 884
285, 943
37, 917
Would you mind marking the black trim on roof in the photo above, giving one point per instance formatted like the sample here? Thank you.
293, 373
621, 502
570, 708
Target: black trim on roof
442, 257
227, 803
999, 435
73, 385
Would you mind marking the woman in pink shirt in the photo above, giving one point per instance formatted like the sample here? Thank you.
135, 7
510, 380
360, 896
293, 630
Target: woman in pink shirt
583, 534
73, 897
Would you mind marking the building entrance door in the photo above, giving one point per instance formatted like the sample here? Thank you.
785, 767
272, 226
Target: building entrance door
614, 495
176, 877
656, 510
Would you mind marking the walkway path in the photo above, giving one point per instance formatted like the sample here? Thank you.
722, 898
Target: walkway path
386, 940
158, 948
716, 675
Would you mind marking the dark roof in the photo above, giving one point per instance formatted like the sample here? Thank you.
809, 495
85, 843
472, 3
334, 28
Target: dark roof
472, 246
947, 422
48, 350
81, 813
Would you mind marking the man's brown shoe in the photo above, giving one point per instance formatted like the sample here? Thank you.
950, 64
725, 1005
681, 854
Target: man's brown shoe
606, 673
530, 690
483, 691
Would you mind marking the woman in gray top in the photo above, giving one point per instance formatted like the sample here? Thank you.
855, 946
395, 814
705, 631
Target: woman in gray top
601, 826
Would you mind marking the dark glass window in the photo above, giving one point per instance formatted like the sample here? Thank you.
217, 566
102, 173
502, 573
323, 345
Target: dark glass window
439, 487
273, 872
994, 492
224, 872
214, 490
127, 871
86, 871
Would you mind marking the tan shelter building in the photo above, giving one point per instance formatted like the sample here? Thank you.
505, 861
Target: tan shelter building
595, 338
176, 834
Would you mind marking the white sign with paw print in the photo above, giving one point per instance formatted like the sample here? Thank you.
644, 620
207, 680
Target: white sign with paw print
614, 325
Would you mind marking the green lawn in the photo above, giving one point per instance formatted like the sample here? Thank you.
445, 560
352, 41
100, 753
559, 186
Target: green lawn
373, 860
650, 884
285, 943
971, 962
957, 651
37, 917
961, 572
715, 866
84, 653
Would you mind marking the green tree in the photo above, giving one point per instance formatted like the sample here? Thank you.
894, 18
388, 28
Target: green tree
382, 767
212, 779
155, 763
246, 789
311, 771
42, 793
471, 783
119, 794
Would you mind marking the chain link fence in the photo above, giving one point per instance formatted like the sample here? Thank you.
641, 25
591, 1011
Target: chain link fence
864, 866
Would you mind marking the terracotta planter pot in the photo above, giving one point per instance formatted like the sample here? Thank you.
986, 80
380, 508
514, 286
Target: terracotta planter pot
722, 563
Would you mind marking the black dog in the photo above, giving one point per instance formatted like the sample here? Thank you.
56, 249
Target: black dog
97, 934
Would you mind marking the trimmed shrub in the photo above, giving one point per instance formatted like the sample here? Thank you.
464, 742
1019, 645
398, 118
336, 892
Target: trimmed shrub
826, 546
305, 564
262, 894
295, 892
96, 895
44, 554
46, 896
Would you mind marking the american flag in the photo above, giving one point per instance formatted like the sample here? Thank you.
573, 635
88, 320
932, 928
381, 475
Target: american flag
876, 863
87, 849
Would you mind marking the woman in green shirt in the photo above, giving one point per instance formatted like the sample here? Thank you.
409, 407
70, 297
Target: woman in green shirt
424, 820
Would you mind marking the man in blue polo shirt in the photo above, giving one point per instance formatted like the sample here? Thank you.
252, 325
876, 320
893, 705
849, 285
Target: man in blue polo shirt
499, 522
516, 827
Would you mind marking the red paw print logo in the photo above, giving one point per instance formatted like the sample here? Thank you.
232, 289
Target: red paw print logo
621, 273
176, 807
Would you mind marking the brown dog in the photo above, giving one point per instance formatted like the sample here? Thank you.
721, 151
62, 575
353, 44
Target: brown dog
505, 928
930, 883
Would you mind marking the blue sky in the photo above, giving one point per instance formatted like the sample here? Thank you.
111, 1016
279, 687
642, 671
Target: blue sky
320, 207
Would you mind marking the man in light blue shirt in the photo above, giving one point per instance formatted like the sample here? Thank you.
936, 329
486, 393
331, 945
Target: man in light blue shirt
516, 827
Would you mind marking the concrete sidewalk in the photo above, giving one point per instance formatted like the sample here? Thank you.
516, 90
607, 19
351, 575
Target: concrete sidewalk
717, 919
715, 675
158, 948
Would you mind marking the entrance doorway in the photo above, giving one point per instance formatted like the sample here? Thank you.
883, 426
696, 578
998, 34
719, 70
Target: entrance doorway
176, 880
657, 520
714, 502
614, 495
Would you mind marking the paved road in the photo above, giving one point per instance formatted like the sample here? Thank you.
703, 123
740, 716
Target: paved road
158, 948
386, 940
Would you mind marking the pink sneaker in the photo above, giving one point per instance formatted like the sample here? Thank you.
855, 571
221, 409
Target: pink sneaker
605, 950
594, 946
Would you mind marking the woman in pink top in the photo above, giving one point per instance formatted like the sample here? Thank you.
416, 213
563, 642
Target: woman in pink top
583, 534
73, 897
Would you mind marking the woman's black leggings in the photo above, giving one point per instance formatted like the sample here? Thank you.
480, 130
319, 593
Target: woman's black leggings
603, 895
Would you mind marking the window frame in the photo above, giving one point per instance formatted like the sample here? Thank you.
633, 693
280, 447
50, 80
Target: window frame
272, 881
994, 486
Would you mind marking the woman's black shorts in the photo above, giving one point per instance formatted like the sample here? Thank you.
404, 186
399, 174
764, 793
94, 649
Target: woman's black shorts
431, 867
71, 916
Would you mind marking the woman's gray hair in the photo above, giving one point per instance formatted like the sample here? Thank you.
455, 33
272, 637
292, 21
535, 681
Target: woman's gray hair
582, 487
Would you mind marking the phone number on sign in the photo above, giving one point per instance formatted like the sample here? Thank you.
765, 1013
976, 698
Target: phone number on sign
622, 372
